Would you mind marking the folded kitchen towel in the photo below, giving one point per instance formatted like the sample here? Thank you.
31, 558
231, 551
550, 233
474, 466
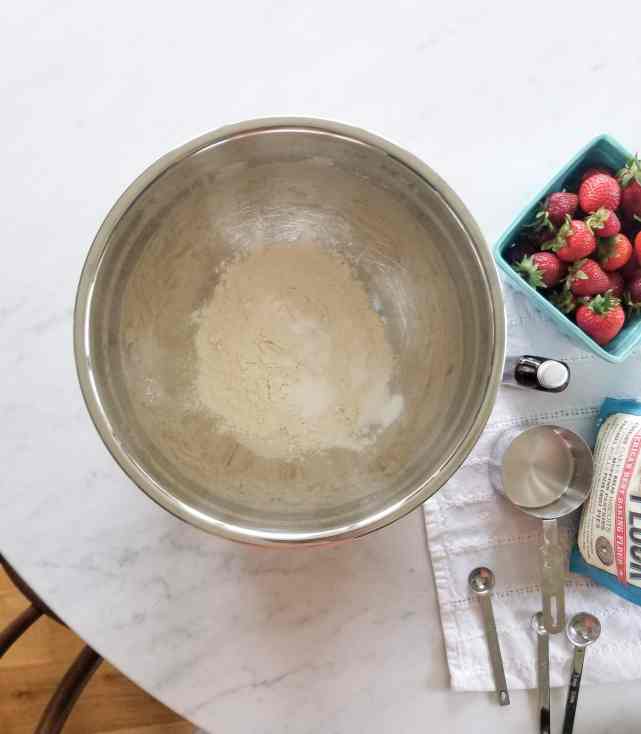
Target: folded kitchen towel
469, 525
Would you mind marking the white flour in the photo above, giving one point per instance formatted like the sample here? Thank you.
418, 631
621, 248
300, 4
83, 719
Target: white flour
291, 356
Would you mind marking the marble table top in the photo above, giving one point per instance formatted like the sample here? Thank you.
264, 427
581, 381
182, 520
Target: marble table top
235, 638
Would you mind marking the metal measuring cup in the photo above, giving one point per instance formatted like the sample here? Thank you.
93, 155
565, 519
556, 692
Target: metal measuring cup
546, 472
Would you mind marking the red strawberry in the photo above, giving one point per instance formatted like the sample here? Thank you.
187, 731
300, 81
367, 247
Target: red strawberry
602, 318
595, 169
599, 190
637, 246
614, 252
587, 279
604, 223
633, 294
617, 285
631, 199
632, 267
573, 241
630, 179
555, 208
542, 270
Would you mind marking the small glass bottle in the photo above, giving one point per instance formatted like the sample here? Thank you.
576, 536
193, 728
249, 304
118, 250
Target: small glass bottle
538, 373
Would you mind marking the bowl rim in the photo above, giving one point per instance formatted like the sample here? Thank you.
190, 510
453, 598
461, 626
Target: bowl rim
425, 488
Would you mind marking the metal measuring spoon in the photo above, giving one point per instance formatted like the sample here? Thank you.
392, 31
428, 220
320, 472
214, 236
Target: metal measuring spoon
481, 581
546, 472
583, 629
542, 671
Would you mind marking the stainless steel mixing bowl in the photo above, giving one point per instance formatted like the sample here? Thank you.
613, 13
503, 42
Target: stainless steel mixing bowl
154, 263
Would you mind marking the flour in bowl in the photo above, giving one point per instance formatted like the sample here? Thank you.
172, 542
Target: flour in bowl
292, 358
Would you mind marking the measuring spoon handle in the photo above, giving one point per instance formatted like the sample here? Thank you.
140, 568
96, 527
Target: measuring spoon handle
495, 651
573, 691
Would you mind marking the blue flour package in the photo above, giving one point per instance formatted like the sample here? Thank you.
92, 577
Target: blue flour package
609, 541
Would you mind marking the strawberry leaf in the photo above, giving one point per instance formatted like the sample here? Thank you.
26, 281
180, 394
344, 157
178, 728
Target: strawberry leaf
552, 245
607, 247
564, 300
597, 219
630, 172
602, 304
634, 306
542, 220
528, 269
559, 240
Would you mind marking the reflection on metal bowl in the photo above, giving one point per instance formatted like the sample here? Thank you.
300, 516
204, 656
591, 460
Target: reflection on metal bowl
155, 262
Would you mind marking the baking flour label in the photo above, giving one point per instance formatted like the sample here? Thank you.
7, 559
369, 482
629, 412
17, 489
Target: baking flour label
610, 531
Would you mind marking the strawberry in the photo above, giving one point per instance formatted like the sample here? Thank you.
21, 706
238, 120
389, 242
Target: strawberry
564, 300
617, 285
632, 267
631, 199
595, 169
573, 241
555, 208
602, 318
637, 246
604, 223
630, 179
542, 270
516, 252
599, 190
614, 252
633, 293
587, 279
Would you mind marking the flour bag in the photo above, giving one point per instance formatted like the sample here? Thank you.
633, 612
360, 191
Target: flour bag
609, 541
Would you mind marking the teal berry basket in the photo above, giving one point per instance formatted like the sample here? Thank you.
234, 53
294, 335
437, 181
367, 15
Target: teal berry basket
602, 151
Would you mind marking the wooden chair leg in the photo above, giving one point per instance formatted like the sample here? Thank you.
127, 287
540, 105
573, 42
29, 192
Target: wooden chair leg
67, 693
18, 627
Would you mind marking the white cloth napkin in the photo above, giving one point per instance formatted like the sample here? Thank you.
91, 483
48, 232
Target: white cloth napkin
468, 525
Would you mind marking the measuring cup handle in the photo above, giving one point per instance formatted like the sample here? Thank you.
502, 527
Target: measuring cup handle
552, 579
543, 680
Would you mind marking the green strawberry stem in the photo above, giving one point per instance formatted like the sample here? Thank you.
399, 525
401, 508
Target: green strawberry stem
559, 240
576, 273
564, 300
597, 219
602, 304
630, 172
528, 269
634, 306
542, 220
607, 247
